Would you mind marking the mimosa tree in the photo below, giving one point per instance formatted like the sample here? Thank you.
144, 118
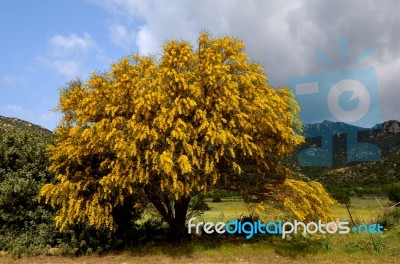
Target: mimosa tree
167, 129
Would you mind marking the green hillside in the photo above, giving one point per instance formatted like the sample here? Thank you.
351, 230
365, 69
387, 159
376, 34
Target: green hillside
12, 123
24, 223
372, 177
357, 177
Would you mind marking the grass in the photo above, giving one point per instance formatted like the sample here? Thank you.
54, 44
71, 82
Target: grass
344, 250
362, 210
354, 248
225, 211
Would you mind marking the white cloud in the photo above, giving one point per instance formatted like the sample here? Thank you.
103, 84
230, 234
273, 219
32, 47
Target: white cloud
68, 68
124, 7
12, 80
282, 35
147, 41
263, 25
69, 55
389, 89
72, 43
121, 36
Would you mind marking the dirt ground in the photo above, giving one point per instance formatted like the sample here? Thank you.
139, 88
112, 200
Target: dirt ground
125, 258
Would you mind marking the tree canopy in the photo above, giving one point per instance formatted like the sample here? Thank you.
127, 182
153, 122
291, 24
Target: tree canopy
165, 129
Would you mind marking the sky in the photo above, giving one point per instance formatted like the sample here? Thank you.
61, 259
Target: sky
47, 43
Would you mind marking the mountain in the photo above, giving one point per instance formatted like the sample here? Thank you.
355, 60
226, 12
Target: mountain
386, 136
330, 127
339, 144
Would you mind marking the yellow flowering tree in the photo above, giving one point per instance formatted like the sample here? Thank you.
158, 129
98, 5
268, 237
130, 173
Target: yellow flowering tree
167, 129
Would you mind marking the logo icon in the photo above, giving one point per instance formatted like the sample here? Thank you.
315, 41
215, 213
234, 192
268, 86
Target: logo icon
348, 99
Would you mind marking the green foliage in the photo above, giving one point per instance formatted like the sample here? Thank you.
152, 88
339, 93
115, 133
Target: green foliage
357, 245
390, 218
25, 225
33, 238
151, 230
220, 193
12, 123
341, 197
300, 245
216, 200
368, 244
393, 193
197, 205
362, 178
83, 239
378, 244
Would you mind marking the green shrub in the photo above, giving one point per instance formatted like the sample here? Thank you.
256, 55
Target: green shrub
221, 194
26, 227
378, 244
82, 239
390, 218
198, 205
393, 193
300, 245
357, 245
216, 200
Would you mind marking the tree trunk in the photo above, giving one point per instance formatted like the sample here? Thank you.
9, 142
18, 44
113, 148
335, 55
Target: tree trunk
351, 217
177, 226
173, 212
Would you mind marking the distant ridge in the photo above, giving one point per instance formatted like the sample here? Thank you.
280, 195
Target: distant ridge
16, 123
390, 126
385, 135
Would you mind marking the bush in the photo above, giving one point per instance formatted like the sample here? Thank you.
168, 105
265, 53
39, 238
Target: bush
300, 245
84, 239
151, 230
216, 200
32, 239
217, 195
198, 205
393, 193
26, 227
390, 218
